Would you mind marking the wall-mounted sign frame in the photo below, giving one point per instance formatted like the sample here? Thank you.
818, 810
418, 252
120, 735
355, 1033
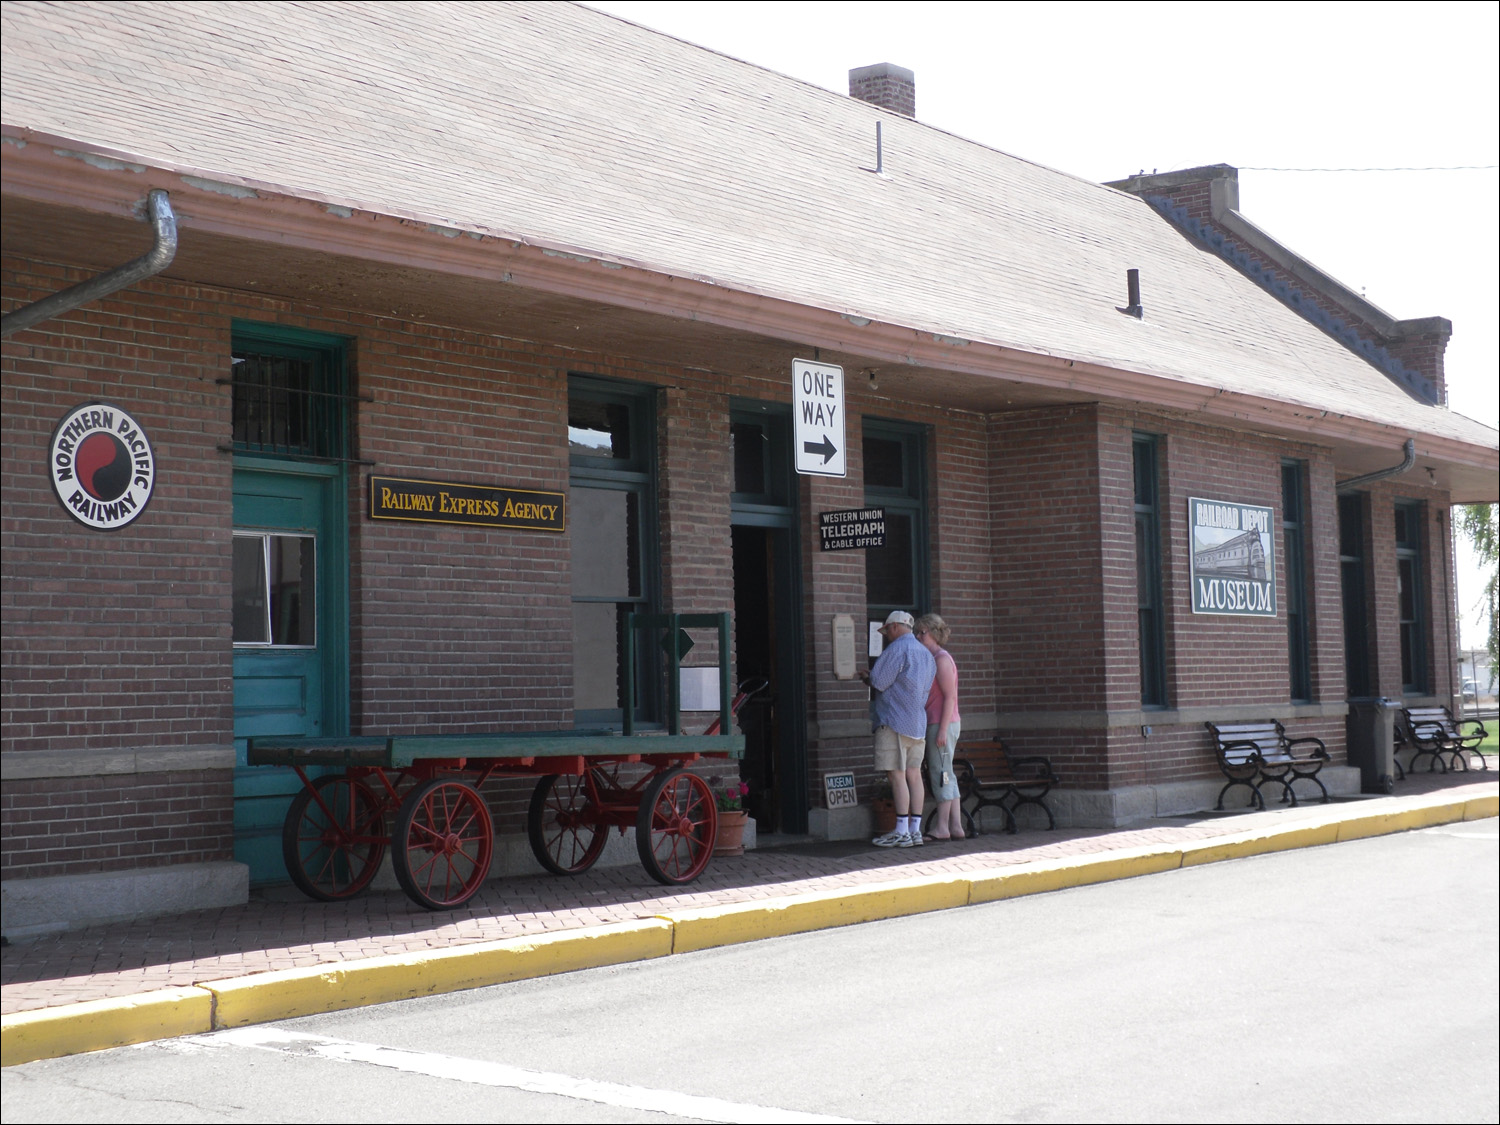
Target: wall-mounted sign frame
1233, 556
433, 501
851, 529
819, 445
101, 466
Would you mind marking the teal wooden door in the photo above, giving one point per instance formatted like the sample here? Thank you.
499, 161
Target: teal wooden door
290, 591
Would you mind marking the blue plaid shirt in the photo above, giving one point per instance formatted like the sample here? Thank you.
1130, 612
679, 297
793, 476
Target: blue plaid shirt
903, 675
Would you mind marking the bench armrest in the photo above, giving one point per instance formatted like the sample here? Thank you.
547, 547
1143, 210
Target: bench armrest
1033, 760
1320, 751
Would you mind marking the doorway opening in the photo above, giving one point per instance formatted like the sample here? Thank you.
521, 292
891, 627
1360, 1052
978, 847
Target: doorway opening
768, 617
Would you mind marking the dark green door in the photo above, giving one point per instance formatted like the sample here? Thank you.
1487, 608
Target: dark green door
290, 595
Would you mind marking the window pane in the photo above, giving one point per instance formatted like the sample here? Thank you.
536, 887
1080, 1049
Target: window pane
1351, 527
1406, 588
596, 657
293, 590
273, 403
1145, 474
889, 577
599, 429
748, 441
883, 464
606, 543
251, 624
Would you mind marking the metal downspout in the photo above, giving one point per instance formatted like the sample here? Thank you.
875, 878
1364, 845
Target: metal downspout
1409, 458
159, 206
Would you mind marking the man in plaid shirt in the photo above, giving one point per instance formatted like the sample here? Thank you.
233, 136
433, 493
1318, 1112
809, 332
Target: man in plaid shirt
903, 676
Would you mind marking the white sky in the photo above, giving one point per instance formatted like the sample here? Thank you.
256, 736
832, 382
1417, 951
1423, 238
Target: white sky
1107, 90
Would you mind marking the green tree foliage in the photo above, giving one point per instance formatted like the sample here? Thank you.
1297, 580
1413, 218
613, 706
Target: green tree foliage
1478, 522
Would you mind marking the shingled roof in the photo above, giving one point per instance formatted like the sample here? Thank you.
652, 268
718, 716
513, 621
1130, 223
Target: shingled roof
561, 126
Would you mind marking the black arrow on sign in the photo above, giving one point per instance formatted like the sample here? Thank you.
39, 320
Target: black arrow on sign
827, 449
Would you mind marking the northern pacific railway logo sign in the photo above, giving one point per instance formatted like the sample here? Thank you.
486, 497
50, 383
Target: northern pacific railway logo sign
101, 466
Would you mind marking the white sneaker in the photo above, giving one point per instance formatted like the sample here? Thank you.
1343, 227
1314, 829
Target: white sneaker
890, 840
913, 840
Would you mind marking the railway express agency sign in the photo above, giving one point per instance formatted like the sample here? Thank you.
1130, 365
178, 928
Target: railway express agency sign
1233, 567
431, 501
101, 466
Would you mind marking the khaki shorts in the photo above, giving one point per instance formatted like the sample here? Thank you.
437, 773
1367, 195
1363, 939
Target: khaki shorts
895, 751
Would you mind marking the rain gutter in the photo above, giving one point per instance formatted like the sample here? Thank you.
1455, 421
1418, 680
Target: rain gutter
158, 258
1409, 458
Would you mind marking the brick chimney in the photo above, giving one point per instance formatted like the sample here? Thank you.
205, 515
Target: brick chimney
1205, 204
887, 85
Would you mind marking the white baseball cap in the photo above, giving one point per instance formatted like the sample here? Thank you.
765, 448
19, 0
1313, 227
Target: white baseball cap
901, 617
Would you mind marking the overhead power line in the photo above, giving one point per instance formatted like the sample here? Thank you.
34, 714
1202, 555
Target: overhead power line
1450, 168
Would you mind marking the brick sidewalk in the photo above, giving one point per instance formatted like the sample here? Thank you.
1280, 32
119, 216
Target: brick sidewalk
280, 929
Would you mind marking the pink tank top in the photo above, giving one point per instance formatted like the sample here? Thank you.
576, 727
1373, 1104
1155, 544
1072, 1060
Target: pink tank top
935, 696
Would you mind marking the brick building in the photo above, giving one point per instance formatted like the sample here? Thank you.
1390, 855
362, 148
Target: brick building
539, 249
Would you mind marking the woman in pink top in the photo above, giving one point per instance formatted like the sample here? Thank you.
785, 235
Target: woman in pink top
942, 730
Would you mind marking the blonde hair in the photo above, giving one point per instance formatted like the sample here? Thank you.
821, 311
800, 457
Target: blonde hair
932, 623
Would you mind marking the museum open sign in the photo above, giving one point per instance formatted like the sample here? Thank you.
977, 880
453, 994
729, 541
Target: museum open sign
430, 501
1233, 558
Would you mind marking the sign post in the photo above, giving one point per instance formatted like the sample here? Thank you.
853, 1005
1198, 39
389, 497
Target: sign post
818, 419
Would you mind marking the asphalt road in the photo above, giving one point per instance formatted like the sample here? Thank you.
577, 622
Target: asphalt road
1356, 982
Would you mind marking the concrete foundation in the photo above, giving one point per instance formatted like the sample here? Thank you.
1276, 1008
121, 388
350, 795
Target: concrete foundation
33, 907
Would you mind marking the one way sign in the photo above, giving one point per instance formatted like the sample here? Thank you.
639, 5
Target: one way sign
818, 410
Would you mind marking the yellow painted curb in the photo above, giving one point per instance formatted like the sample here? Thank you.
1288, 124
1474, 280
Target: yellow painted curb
95, 1025
330, 988
732, 923
1401, 820
1275, 839
1478, 808
1075, 871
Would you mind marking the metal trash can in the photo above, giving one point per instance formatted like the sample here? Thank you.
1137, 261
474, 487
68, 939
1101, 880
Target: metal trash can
1371, 725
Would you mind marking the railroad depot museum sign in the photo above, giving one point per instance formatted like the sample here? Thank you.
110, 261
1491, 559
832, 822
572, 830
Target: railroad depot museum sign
101, 466
432, 501
851, 529
1233, 558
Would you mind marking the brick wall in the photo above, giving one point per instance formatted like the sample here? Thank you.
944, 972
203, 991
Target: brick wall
77, 825
121, 641
116, 637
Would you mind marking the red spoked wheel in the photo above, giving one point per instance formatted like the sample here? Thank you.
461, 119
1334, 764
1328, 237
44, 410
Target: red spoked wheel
674, 830
333, 838
562, 825
443, 843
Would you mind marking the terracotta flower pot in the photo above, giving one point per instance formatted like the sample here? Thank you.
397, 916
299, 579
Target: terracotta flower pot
884, 809
730, 839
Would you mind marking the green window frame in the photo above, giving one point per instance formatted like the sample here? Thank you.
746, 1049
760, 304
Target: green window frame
291, 393
897, 576
1294, 543
1150, 616
1353, 588
616, 564
1409, 597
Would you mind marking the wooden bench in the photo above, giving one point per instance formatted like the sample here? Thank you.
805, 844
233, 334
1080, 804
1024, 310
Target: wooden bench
1434, 732
1251, 754
993, 777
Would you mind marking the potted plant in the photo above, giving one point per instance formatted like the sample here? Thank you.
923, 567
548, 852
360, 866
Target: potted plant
730, 797
883, 805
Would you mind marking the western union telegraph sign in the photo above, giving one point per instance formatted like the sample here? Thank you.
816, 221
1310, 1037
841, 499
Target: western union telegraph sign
431, 501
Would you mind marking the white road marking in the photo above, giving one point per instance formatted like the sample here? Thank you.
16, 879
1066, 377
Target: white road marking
494, 1074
